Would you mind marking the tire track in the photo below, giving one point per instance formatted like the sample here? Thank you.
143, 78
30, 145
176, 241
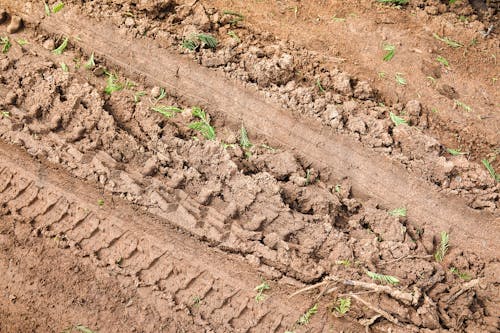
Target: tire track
372, 175
182, 278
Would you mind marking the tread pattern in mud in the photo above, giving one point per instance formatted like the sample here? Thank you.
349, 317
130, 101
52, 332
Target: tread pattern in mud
175, 285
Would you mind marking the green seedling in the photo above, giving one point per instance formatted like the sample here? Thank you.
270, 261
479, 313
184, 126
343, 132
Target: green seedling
203, 126
491, 170
91, 62
443, 247
268, 147
382, 74
455, 152
397, 120
163, 94
462, 275
199, 40
344, 305
64, 67
382, 278
308, 176
234, 36
138, 95
130, 84
5, 114
79, 328
260, 291
390, 51
61, 47
344, 262
400, 79
442, 60
22, 41
46, 8
338, 188
57, 7
244, 140
237, 17
463, 106
166, 111
447, 41
394, 2
6, 44
306, 317
197, 301
112, 84
100, 202
337, 19
398, 212
320, 86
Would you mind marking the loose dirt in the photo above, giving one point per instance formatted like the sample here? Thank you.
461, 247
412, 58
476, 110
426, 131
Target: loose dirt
115, 186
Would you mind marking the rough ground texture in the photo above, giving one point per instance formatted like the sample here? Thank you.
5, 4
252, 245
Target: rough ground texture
163, 229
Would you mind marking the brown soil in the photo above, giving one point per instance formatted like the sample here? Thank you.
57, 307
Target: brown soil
120, 218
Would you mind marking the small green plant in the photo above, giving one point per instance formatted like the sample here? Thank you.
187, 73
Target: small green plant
138, 95
90, 63
338, 188
462, 275
64, 67
442, 60
382, 278
390, 51
6, 44
394, 2
448, 41
400, 79
199, 40
80, 328
100, 202
57, 7
463, 106
162, 95
112, 84
491, 170
344, 305
46, 8
455, 152
443, 247
343, 262
337, 19
306, 317
397, 120
237, 17
260, 291
203, 126
234, 36
166, 111
382, 75
244, 140
5, 114
22, 41
196, 301
60, 49
320, 86
398, 212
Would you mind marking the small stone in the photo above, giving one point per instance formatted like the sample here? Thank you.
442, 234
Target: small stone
255, 223
129, 22
16, 24
156, 92
99, 71
149, 167
49, 44
332, 112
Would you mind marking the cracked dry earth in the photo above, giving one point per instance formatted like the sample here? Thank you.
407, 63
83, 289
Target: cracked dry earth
255, 185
